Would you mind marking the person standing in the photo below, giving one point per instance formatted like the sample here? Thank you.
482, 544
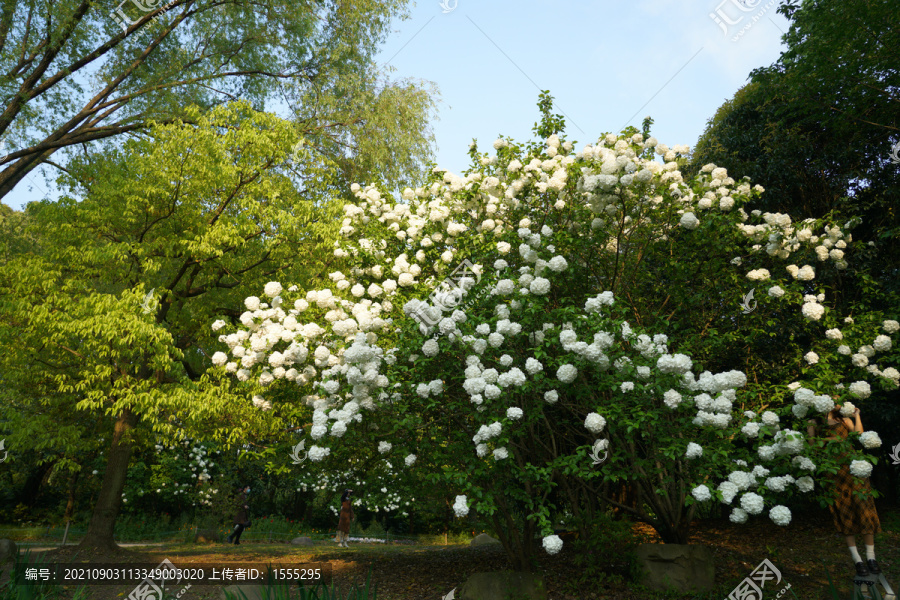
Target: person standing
852, 514
343, 533
241, 515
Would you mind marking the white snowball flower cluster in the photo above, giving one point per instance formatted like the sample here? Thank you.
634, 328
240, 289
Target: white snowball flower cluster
567, 373
752, 503
693, 451
460, 506
553, 544
701, 493
870, 440
594, 423
780, 515
860, 468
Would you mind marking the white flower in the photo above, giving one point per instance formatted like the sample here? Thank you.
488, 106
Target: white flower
738, 516
553, 544
811, 357
693, 450
672, 399
776, 291
384, 447
514, 412
860, 468
430, 348
272, 289
533, 366
252, 303
806, 273
758, 275
701, 493
551, 396
316, 453
813, 311
567, 373
460, 506
870, 440
834, 334
752, 503
594, 423
780, 515
729, 490
891, 326
558, 264
882, 343
627, 386
689, 221
500, 453
860, 389
805, 484
769, 418
539, 286
219, 359
750, 430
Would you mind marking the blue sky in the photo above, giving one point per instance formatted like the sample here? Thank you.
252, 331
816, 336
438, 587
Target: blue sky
607, 64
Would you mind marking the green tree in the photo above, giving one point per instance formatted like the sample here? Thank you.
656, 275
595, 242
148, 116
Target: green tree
75, 72
113, 314
817, 127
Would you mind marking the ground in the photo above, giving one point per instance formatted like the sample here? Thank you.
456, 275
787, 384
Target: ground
803, 552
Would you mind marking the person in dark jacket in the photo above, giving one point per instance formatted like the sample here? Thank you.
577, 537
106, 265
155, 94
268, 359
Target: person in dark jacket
241, 515
343, 533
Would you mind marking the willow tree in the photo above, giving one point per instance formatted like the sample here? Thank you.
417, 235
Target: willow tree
74, 72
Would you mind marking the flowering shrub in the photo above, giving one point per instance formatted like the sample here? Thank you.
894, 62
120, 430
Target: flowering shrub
501, 381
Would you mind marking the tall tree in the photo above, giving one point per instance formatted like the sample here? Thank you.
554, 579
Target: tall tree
156, 239
817, 127
74, 72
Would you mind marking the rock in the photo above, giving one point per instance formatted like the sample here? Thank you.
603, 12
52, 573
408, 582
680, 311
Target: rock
503, 584
302, 541
686, 568
7, 551
483, 539
250, 592
207, 536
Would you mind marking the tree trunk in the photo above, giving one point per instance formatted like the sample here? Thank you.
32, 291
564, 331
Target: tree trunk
100, 531
70, 503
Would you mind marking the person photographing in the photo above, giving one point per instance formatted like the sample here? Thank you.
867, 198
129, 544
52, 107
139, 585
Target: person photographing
853, 510
241, 515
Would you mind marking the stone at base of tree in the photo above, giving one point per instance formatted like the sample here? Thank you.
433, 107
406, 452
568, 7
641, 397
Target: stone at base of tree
302, 541
207, 536
483, 539
683, 567
250, 592
7, 551
502, 585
